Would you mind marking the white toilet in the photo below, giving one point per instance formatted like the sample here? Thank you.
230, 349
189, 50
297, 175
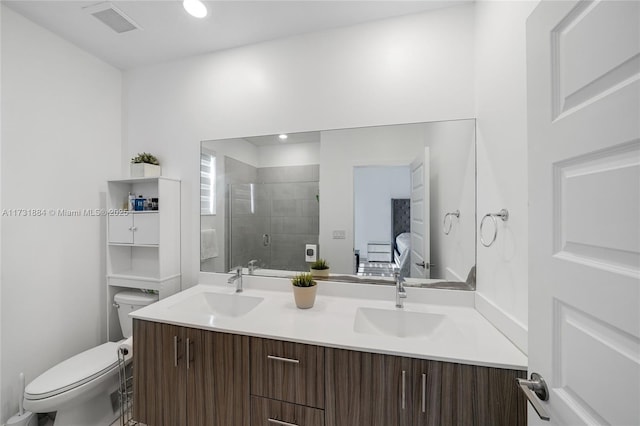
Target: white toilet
80, 388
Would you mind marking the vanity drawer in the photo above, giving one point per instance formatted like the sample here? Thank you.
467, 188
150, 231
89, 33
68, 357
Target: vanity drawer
269, 412
287, 371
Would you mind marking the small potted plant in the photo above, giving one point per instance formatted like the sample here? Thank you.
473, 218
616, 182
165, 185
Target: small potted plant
320, 268
304, 290
145, 165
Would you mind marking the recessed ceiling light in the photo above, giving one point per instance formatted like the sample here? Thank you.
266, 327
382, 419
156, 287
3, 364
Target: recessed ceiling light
283, 136
195, 8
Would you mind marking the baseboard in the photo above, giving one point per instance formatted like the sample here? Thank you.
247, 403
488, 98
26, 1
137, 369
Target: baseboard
508, 325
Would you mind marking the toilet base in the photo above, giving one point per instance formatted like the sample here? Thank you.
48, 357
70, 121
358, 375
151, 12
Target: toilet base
27, 418
95, 411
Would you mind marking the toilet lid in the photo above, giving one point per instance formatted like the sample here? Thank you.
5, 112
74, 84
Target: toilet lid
74, 372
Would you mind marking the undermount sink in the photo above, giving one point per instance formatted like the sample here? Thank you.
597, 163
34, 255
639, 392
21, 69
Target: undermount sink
396, 322
219, 304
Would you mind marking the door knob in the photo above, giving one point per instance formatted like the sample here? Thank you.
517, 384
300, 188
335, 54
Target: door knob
535, 389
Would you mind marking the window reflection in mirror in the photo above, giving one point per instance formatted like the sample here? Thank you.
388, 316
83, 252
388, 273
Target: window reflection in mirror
340, 191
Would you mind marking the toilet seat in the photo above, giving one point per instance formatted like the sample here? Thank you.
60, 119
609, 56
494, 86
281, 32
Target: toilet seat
74, 372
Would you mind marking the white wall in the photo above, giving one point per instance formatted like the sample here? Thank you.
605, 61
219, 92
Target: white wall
502, 162
2, 416
452, 172
61, 140
410, 69
299, 154
340, 152
373, 189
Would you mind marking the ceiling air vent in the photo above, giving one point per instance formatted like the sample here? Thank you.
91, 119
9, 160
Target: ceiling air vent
112, 17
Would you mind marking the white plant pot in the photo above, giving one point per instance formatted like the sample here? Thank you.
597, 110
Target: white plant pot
144, 170
305, 297
323, 273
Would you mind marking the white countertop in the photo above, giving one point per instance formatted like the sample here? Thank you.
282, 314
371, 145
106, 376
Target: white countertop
464, 336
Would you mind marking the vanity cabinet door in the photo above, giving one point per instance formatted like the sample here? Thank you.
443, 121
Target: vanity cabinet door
159, 382
426, 378
185, 376
217, 379
459, 394
287, 371
365, 389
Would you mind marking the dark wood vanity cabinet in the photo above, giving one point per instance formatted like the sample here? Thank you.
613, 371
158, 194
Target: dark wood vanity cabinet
186, 376
365, 389
189, 377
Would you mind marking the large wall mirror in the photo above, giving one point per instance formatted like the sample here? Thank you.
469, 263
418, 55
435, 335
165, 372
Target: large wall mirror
372, 201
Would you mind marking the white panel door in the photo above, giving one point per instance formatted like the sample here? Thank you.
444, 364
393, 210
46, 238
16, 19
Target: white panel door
584, 221
146, 227
420, 246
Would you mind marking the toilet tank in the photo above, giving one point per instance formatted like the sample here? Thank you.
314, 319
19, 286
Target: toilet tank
129, 301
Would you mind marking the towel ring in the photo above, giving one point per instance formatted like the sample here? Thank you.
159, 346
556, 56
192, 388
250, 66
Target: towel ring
446, 228
502, 214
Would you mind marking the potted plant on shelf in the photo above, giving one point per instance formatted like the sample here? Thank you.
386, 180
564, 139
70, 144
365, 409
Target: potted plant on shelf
320, 268
145, 165
304, 290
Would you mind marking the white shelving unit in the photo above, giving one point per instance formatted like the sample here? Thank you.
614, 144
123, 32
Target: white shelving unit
143, 247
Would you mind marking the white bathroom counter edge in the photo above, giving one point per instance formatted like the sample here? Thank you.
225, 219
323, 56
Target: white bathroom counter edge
468, 338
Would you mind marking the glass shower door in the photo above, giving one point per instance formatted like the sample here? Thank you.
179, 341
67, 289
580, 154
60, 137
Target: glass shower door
272, 223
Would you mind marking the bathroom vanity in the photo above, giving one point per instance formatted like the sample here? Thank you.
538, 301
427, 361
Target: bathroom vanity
209, 356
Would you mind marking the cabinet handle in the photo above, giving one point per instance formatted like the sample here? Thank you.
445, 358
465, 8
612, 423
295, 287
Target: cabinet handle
424, 393
187, 353
175, 351
289, 360
280, 422
134, 229
404, 381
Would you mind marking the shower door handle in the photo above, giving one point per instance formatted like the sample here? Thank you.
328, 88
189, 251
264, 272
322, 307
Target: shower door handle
266, 240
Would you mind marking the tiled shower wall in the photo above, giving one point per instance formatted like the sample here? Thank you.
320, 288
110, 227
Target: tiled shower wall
282, 219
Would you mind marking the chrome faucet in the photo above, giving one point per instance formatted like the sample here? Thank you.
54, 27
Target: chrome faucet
400, 291
252, 266
237, 279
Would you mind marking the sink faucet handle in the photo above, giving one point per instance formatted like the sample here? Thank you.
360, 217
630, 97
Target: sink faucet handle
252, 265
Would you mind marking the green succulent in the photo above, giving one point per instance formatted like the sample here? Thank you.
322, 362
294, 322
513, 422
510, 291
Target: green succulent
145, 157
303, 280
320, 264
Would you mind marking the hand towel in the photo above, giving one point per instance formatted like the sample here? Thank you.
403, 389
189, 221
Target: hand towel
208, 244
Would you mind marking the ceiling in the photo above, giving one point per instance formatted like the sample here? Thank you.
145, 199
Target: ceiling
169, 33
